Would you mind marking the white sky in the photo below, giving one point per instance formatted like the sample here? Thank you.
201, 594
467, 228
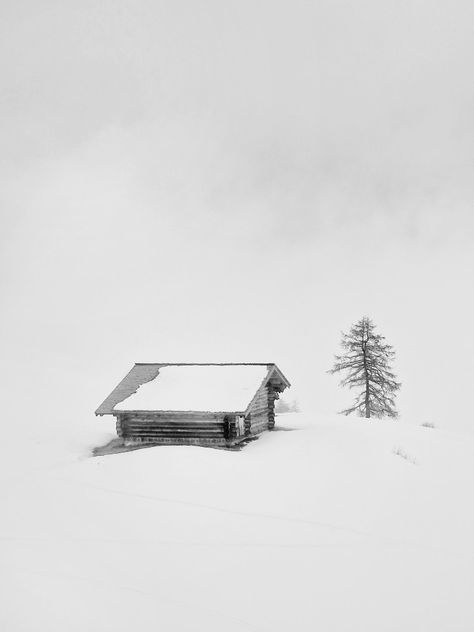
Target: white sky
234, 181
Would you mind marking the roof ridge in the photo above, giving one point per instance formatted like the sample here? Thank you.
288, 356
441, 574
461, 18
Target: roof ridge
205, 363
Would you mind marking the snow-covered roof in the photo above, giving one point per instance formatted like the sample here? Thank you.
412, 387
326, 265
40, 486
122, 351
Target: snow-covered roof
190, 387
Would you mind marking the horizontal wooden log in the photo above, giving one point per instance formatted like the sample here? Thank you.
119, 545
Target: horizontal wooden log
189, 431
177, 438
161, 431
185, 426
173, 414
259, 402
260, 398
176, 435
262, 412
128, 431
176, 441
173, 424
259, 422
151, 426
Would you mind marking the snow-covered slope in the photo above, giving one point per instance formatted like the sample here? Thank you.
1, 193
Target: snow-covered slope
335, 525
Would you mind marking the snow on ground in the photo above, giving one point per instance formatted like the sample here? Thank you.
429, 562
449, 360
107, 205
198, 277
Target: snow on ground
335, 525
214, 388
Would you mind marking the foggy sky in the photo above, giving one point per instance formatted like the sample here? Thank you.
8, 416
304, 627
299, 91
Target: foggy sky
235, 181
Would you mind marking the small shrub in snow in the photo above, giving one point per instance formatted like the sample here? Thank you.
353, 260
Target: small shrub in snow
401, 452
428, 424
283, 406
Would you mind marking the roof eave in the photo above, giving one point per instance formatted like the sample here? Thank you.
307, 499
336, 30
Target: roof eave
181, 412
274, 368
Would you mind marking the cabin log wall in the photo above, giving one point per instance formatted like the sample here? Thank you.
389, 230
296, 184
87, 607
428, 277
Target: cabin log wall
260, 414
258, 411
174, 428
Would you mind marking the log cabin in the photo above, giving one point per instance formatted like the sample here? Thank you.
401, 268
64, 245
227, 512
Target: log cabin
195, 404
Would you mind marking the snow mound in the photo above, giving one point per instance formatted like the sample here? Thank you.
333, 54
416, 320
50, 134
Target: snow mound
339, 525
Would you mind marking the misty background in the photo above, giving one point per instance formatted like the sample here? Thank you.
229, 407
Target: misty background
233, 181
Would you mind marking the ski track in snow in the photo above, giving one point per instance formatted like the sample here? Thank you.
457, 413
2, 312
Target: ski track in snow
384, 540
108, 585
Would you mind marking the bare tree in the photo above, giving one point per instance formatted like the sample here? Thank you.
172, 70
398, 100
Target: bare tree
366, 362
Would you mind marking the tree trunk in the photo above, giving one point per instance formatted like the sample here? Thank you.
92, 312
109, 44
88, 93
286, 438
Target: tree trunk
366, 375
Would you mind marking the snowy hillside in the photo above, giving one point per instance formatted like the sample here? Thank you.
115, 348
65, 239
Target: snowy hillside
337, 525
